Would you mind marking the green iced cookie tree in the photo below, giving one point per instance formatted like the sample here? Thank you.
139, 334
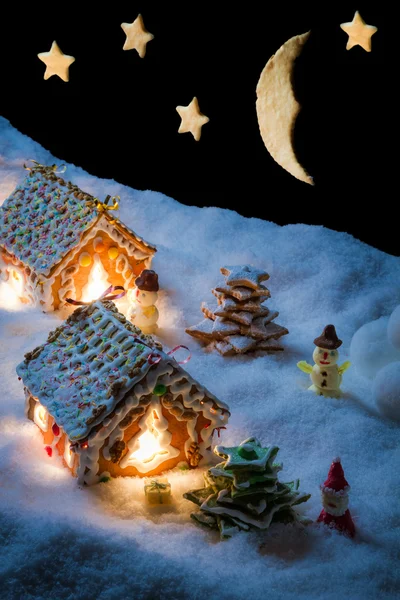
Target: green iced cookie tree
244, 493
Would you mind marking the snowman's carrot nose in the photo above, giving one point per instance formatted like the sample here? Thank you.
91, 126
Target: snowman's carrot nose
325, 355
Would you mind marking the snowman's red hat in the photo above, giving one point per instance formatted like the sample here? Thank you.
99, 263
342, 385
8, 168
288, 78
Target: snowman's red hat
336, 483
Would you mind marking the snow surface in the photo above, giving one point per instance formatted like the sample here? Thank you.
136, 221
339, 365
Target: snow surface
393, 330
59, 541
370, 348
386, 390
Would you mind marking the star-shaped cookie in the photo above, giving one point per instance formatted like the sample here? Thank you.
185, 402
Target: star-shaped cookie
137, 36
56, 62
192, 119
244, 275
248, 455
359, 33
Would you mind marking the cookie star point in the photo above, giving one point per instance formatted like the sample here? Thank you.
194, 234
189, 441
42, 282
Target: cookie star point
57, 63
192, 119
137, 36
359, 33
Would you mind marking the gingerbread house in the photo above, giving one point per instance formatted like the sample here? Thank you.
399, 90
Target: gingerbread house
56, 241
111, 402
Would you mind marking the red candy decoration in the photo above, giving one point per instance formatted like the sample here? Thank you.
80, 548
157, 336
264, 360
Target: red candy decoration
56, 430
49, 450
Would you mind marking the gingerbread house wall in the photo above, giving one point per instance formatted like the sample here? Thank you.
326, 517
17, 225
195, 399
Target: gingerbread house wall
180, 435
57, 443
121, 269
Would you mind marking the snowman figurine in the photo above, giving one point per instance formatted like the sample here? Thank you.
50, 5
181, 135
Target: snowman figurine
143, 312
326, 375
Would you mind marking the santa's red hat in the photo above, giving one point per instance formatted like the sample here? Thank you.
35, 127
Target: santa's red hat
336, 483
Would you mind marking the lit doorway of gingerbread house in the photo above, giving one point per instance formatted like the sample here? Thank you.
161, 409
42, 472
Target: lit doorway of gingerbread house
98, 281
149, 448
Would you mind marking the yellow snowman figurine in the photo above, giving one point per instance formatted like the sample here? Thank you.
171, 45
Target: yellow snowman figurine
326, 375
143, 313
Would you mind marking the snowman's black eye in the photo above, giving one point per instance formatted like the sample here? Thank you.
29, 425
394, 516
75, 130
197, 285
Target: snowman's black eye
321, 351
333, 353
144, 295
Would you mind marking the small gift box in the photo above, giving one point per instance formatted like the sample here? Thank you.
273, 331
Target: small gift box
158, 491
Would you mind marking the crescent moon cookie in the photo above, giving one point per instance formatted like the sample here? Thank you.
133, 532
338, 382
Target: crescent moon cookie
277, 107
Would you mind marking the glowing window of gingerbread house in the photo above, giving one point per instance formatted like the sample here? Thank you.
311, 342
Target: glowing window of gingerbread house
149, 448
97, 282
69, 456
16, 282
41, 416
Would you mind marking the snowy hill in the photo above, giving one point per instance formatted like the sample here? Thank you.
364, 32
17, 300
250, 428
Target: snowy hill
60, 541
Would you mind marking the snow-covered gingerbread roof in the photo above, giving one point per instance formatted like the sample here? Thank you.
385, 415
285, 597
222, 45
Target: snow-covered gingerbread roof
46, 217
89, 363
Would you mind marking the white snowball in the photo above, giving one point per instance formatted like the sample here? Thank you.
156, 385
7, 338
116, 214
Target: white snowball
386, 391
370, 349
393, 330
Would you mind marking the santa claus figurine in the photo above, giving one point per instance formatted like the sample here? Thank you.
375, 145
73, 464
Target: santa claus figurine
143, 313
335, 501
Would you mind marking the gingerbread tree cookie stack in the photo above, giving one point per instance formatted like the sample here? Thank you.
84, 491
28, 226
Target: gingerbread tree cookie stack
243, 492
239, 321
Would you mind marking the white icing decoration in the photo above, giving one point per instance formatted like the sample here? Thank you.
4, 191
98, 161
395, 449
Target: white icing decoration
123, 267
41, 416
149, 448
69, 456
67, 288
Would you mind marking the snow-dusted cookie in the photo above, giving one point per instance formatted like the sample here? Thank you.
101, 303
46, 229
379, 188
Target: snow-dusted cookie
225, 348
253, 305
261, 330
241, 343
208, 310
224, 327
242, 293
242, 318
202, 331
245, 318
245, 275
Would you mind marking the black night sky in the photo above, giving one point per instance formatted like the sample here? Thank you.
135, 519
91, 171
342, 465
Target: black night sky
116, 117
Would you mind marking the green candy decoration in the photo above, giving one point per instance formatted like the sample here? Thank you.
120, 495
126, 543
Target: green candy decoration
243, 492
160, 390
